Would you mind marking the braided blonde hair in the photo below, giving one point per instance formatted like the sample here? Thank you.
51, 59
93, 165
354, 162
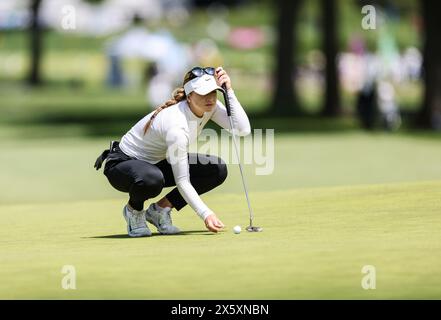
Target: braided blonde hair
178, 95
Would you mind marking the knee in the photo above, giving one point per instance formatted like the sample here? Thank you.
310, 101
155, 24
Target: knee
150, 184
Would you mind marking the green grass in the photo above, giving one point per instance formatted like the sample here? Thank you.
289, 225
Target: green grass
328, 209
61, 169
314, 245
338, 199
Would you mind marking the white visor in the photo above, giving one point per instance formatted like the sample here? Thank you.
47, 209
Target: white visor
202, 85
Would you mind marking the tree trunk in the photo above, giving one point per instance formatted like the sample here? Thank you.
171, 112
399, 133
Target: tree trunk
284, 98
430, 113
34, 77
331, 103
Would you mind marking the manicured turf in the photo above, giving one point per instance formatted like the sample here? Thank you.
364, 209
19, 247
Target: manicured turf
334, 203
314, 245
61, 169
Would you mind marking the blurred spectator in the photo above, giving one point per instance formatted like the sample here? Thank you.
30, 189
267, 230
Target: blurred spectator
389, 74
412, 62
246, 38
206, 53
170, 59
218, 28
366, 107
375, 75
390, 115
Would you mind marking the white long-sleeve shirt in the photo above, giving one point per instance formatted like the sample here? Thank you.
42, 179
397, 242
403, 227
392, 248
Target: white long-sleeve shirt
169, 137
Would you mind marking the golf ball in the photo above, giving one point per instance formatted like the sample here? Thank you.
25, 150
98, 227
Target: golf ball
237, 229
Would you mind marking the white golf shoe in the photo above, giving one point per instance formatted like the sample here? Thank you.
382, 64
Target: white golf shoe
136, 225
161, 219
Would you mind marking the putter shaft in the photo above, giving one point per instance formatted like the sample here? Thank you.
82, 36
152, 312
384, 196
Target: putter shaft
250, 228
241, 172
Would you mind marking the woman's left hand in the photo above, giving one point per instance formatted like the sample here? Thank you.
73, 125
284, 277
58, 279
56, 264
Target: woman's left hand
222, 77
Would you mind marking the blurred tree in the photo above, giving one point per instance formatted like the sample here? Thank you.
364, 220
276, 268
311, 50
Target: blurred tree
284, 99
34, 77
36, 40
430, 113
331, 106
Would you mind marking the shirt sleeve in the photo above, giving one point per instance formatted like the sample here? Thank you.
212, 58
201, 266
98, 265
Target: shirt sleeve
177, 155
240, 119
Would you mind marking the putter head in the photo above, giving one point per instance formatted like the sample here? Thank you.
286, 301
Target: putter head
254, 229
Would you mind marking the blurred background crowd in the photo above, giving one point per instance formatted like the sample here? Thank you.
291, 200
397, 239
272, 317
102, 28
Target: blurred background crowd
95, 64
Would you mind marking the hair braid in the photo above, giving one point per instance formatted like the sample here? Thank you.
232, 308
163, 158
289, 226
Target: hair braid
178, 95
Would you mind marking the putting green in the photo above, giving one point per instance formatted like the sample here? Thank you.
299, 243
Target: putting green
314, 245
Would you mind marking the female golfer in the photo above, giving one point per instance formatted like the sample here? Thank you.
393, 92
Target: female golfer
153, 154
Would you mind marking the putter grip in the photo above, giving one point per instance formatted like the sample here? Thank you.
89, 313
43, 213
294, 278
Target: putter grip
227, 101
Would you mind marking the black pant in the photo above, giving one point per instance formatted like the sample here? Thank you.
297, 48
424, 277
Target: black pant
143, 180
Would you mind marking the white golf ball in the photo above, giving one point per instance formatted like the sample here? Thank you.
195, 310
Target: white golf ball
237, 229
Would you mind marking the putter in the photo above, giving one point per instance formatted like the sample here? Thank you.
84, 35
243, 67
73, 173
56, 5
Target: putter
250, 228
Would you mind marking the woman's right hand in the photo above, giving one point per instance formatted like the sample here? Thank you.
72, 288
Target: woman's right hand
213, 223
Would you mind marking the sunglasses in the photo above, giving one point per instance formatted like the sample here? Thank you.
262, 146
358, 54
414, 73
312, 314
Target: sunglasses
198, 72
